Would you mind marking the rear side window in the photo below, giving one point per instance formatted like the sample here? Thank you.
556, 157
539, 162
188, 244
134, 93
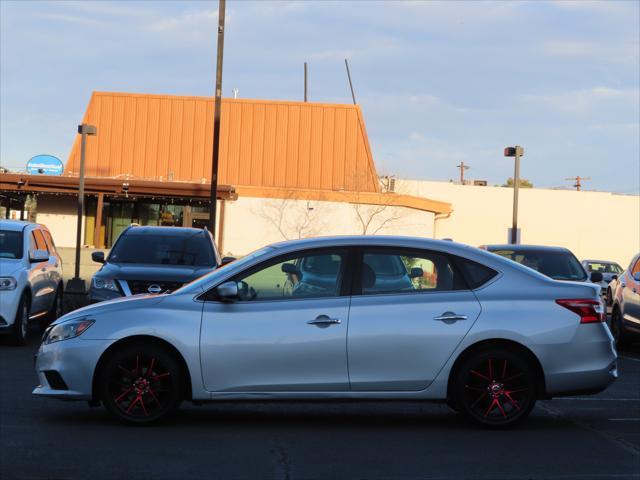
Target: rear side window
49, 239
474, 273
39, 239
391, 271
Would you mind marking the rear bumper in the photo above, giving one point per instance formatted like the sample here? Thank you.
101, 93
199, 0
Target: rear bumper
586, 365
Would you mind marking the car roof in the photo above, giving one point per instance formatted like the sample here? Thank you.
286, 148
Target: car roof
15, 225
600, 261
173, 231
525, 248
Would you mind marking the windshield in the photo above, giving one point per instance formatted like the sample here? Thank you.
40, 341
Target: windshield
603, 267
193, 250
559, 265
10, 244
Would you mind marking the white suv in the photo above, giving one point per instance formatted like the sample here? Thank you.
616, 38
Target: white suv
30, 278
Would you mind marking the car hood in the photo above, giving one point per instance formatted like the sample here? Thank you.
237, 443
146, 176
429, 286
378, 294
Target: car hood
122, 303
172, 273
9, 266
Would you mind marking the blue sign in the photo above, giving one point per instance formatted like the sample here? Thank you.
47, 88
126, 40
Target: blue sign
45, 165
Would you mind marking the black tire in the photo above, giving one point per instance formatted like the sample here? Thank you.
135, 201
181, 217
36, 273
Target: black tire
55, 312
141, 384
608, 298
617, 328
21, 323
495, 388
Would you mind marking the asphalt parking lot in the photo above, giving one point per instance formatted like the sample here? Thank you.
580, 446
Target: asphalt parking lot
595, 437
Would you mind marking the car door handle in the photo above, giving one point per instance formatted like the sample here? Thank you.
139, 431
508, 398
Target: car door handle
324, 321
449, 317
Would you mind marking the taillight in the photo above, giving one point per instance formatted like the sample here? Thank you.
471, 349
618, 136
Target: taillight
589, 310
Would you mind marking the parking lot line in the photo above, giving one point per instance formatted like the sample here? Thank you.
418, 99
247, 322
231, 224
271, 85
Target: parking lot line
624, 419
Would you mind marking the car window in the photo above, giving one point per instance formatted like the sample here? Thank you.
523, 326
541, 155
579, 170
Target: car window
10, 244
559, 265
299, 276
39, 240
406, 271
603, 267
474, 273
636, 268
190, 250
49, 239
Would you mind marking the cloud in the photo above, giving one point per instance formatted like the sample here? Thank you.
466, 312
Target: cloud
586, 101
185, 23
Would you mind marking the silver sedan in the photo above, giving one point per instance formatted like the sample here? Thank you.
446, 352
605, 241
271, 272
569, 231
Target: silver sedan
342, 317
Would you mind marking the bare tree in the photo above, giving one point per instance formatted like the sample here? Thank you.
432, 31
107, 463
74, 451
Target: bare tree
290, 218
374, 218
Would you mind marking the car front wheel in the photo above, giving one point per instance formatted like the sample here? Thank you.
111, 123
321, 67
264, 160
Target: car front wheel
141, 384
21, 323
495, 388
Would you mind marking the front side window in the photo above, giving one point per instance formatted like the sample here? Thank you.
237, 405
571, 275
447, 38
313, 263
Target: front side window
10, 244
300, 276
405, 271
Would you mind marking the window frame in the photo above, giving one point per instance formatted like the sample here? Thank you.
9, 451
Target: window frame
346, 270
417, 252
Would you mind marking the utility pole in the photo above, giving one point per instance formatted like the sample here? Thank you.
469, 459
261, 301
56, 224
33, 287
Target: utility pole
216, 120
462, 168
353, 95
305, 82
578, 180
515, 152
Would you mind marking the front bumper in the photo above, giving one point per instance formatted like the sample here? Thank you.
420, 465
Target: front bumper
9, 301
75, 361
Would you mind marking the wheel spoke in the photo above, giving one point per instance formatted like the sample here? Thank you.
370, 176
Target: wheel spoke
155, 377
153, 395
490, 372
132, 404
478, 374
479, 389
150, 370
128, 390
517, 375
513, 402
484, 394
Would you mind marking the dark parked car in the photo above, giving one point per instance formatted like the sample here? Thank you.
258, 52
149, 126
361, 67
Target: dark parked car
625, 312
153, 260
554, 262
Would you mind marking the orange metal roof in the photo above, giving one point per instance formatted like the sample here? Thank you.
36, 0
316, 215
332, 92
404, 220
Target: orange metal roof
263, 143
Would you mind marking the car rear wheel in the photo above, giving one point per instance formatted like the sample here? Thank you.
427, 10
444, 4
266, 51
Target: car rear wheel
495, 388
141, 384
21, 323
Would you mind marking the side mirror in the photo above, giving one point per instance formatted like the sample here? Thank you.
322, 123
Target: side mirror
39, 256
416, 272
227, 291
97, 257
596, 277
291, 269
226, 260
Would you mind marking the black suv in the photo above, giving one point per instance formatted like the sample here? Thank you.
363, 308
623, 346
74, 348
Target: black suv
153, 260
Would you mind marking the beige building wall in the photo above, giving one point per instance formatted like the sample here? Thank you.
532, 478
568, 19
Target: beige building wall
597, 225
59, 214
254, 222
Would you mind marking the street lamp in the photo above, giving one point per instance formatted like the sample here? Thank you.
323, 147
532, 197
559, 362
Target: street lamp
76, 284
516, 152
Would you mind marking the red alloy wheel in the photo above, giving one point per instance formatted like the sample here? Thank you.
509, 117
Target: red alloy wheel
497, 389
142, 385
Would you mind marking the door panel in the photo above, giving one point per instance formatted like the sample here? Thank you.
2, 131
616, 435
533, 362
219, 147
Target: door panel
38, 279
395, 343
264, 341
269, 346
414, 308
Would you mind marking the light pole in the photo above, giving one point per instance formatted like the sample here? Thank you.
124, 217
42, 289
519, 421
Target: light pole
76, 284
216, 120
515, 152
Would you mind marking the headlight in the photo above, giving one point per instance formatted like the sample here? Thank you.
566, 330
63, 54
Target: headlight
67, 330
105, 284
8, 283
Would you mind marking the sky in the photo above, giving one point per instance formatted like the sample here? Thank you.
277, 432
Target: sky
438, 82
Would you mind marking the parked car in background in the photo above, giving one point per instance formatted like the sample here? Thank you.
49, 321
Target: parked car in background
477, 331
30, 278
554, 262
153, 260
625, 310
608, 269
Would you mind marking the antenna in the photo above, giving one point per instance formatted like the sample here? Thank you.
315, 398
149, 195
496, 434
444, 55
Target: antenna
578, 179
353, 95
462, 168
305, 82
